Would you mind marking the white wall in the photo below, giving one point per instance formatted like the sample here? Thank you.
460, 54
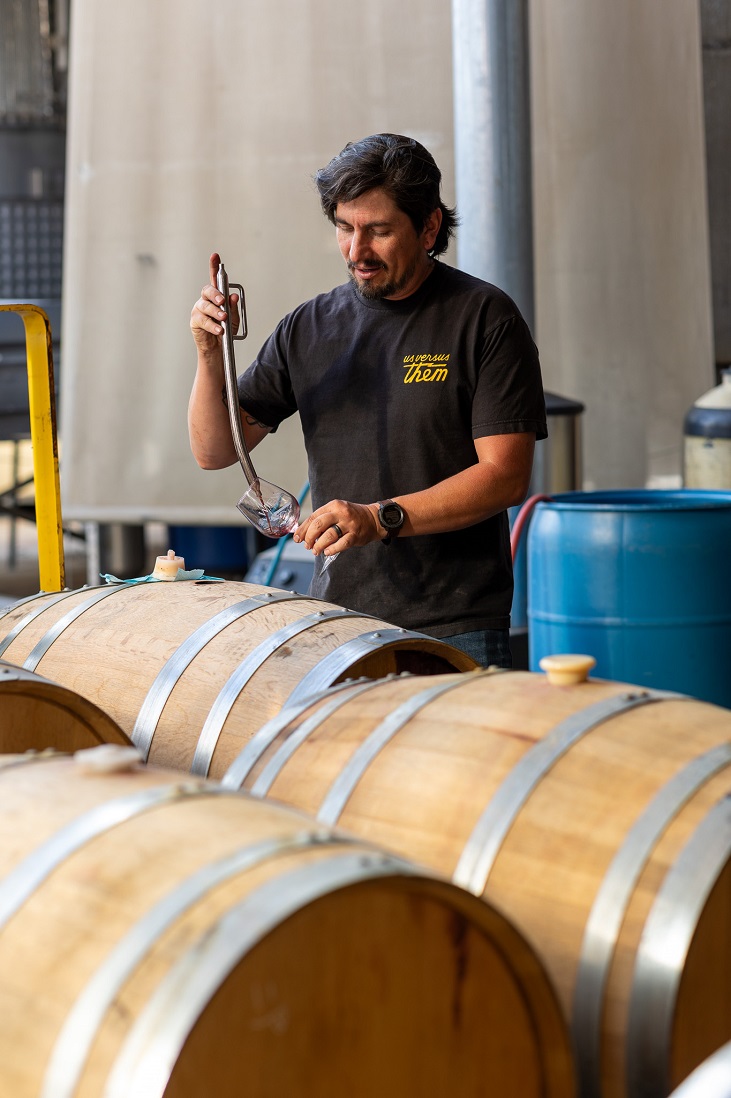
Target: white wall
196, 127
623, 303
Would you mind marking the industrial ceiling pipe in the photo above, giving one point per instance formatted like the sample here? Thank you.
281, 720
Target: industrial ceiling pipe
490, 53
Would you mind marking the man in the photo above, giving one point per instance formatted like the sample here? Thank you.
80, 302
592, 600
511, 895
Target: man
419, 392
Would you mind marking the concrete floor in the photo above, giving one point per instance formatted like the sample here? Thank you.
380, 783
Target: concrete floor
19, 573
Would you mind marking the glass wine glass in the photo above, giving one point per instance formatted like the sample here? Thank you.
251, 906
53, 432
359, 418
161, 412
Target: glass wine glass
272, 510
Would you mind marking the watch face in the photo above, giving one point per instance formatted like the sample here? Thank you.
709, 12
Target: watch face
392, 517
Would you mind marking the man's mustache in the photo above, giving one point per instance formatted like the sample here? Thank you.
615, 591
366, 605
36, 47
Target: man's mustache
368, 266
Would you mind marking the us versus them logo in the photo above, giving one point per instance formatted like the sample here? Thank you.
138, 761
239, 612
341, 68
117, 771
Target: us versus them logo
425, 368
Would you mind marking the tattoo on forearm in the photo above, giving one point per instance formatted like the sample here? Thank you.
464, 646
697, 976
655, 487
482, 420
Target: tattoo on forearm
251, 422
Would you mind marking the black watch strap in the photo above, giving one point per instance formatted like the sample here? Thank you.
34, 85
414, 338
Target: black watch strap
391, 518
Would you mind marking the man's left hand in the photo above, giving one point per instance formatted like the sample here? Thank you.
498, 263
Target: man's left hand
339, 525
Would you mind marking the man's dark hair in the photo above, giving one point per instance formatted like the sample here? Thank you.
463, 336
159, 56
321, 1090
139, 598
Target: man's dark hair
405, 170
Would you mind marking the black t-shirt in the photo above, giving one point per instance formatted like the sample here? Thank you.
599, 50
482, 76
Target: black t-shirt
391, 395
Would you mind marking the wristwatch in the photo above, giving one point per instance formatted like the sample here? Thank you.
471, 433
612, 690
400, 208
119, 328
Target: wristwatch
391, 518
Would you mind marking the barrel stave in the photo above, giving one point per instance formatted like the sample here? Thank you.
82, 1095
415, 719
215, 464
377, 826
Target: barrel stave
161, 934
573, 771
165, 659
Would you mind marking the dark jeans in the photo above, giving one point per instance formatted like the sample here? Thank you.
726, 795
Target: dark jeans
489, 647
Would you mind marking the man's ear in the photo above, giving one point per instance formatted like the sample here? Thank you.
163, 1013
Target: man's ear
432, 225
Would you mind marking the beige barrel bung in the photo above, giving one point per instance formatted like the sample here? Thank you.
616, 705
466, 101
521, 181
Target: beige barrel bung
596, 815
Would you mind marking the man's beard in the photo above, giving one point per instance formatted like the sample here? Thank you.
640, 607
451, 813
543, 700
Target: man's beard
386, 289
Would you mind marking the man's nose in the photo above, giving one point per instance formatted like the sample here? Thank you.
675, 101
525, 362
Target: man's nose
358, 246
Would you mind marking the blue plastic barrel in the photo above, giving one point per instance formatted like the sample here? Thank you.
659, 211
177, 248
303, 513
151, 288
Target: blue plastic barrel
519, 609
213, 548
638, 579
556, 468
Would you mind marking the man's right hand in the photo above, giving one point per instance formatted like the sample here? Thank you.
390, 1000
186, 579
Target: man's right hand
209, 425
207, 313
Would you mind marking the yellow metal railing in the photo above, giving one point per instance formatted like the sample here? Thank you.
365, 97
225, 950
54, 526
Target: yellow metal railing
44, 439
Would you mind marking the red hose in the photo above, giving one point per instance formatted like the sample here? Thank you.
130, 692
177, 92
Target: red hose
521, 519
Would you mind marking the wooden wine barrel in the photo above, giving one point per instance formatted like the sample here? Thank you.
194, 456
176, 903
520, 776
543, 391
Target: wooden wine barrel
176, 665
711, 1080
36, 714
161, 935
596, 815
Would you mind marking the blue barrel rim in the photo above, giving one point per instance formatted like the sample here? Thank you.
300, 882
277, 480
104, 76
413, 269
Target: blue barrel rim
640, 499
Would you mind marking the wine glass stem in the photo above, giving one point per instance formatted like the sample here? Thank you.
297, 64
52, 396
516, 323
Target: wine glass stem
328, 561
